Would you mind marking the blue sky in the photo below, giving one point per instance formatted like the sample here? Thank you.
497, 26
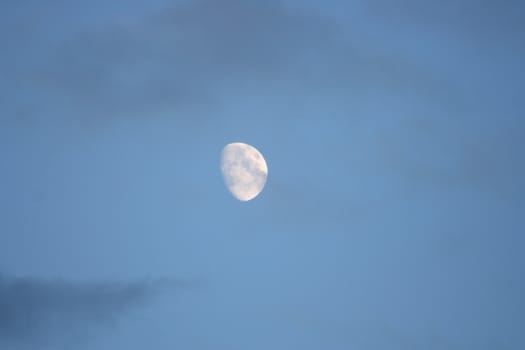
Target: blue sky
393, 213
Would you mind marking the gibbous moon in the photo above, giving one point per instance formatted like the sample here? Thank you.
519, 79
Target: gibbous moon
244, 170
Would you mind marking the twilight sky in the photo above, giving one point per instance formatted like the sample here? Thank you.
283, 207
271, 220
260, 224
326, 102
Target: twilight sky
394, 212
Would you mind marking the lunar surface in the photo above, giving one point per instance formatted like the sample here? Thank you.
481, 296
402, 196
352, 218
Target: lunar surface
244, 170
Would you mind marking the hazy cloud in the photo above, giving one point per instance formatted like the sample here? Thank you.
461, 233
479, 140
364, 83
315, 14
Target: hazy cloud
180, 57
38, 310
454, 154
189, 54
484, 22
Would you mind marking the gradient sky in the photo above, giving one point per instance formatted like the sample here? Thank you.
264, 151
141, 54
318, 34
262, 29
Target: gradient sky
394, 212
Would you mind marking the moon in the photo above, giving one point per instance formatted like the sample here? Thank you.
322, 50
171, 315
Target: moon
244, 170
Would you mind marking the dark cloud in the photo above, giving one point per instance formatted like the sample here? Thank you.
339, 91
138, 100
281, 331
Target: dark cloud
37, 310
